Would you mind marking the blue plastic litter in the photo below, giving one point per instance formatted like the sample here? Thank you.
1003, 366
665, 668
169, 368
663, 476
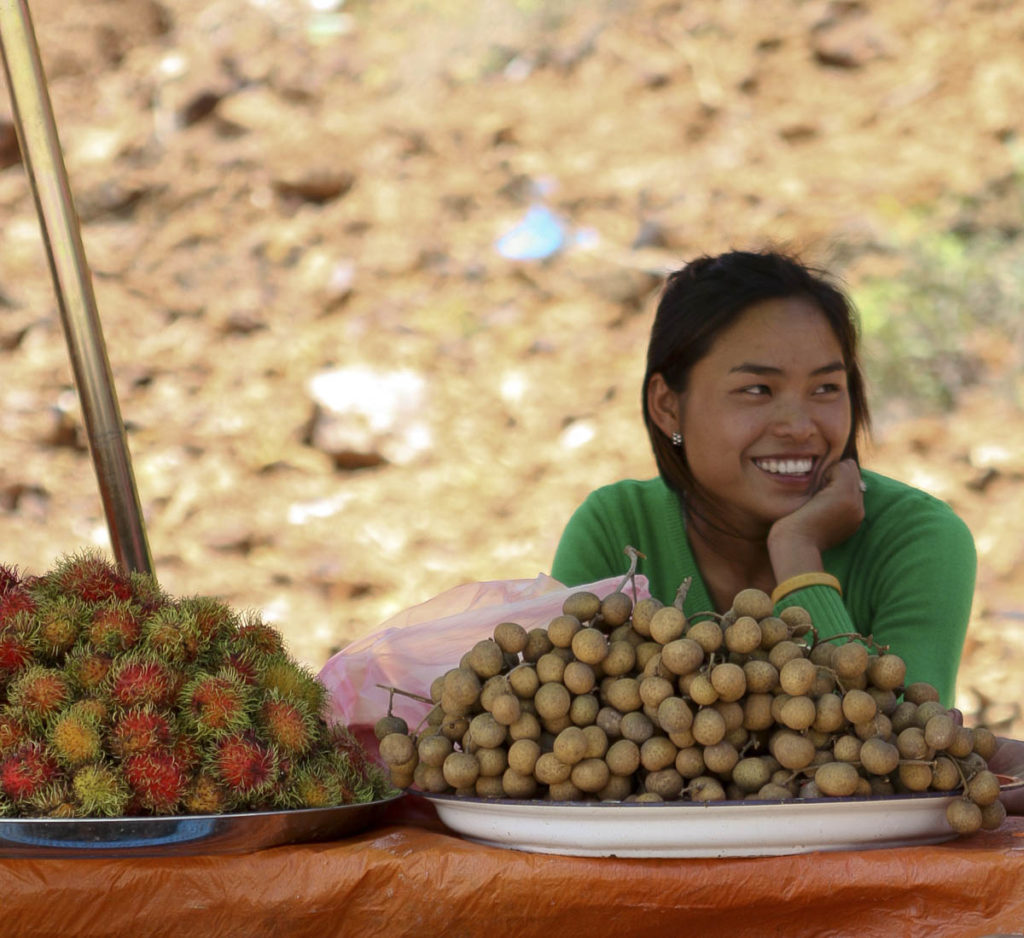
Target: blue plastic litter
540, 234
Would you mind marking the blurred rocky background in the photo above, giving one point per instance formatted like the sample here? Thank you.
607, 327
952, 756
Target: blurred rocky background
376, 276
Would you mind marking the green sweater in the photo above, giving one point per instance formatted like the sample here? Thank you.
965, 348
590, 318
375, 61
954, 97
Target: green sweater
907, 573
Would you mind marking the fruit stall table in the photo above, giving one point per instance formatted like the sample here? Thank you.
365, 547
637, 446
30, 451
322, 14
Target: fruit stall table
408, 876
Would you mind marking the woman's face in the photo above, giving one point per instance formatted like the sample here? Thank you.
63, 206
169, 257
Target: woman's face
766, 411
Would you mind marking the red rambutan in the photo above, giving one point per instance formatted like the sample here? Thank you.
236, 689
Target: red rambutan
138, 729
135, 679
215, 704
9, 576
27, 771
114, 627
14, 601
91, 577
17, 649
13, 731
157, 779
39, 692
246, 766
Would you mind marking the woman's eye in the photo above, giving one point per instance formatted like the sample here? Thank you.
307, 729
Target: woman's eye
829, 388
757, 390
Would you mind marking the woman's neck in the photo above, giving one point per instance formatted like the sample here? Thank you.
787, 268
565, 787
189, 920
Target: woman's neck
728, 562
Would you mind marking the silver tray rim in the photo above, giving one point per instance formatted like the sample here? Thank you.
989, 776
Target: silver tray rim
185, 834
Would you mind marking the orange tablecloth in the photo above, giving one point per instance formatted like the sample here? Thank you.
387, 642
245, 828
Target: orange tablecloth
408, 876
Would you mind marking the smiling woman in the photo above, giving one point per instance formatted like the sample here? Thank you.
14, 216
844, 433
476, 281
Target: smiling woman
754, 403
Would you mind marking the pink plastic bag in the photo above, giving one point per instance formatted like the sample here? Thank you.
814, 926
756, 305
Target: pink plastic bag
421, 643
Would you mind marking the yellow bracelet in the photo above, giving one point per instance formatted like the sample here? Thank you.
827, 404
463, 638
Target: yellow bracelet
805, 579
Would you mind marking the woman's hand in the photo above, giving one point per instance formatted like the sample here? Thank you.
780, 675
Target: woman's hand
830, 516
1009, 760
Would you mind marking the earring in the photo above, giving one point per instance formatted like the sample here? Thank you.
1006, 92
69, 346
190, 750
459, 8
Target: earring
677, 440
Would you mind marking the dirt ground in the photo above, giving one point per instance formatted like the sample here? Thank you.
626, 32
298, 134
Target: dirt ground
284, 199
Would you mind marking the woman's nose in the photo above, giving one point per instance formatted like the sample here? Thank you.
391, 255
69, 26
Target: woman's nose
792, 421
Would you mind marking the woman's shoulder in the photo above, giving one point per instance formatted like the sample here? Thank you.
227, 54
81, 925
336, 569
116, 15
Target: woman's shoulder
889, 501
631, 491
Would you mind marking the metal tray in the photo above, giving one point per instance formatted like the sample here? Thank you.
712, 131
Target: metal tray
184, 835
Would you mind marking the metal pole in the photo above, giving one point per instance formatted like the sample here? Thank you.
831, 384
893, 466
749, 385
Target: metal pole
44, 163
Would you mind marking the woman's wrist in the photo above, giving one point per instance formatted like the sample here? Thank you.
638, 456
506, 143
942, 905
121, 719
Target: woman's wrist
790, 556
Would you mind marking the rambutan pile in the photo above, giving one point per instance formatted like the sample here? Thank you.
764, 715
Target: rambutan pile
119, 700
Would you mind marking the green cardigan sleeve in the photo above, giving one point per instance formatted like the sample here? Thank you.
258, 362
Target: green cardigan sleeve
908, 579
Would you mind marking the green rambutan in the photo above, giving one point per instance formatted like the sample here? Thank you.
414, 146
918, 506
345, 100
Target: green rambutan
75, 737
87, 668
146, 592
206, 796
38, 693
52, 800
288, 724
215, 619
172, 634
90, 576
256, 637
136, 679
91, 707
59, 622
245, 765
114, 627
99, 791
138, 729
293, 681
350, 759
313, 784
157, 779
27, 771
216, 704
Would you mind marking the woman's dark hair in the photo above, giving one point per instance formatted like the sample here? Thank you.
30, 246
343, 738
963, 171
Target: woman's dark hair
704, 298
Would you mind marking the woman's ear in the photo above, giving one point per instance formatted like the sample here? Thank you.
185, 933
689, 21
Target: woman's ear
664, 405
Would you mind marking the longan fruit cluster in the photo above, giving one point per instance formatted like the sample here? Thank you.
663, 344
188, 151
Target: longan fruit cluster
624, 701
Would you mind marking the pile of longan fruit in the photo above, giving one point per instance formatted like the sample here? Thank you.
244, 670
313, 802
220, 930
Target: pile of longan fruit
622, 701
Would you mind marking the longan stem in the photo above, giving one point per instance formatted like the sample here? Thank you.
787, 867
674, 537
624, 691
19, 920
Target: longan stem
634, 556
866, 639
684, 588
706, 614
404, 693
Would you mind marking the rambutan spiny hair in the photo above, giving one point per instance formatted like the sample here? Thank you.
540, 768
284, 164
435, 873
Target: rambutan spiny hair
157, 778
9, 576
216, 704
245, 765
90, 576
27, 771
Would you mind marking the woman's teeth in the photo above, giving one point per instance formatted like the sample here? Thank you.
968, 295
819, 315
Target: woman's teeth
789, 467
